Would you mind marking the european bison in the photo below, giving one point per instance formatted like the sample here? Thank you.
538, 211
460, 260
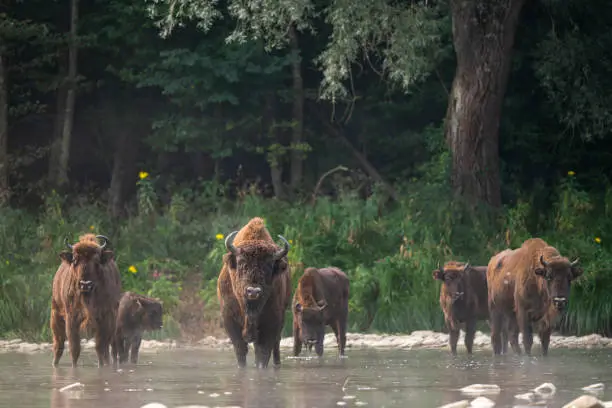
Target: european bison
321, 299
533, 282
254, 291
136, 314
463, 299
86, 290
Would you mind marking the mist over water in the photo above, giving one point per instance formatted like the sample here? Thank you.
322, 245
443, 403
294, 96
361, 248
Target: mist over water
374, 378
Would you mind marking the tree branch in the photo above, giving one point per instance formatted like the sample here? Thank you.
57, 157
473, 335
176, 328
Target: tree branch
327, 173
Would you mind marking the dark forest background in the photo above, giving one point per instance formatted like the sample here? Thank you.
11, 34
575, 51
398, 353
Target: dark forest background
447, 144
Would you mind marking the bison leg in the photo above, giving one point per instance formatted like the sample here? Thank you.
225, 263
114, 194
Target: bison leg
470, 332
123, 348
453, 338
545, 340
262, 354
74, 338
102, 349
297, 341
497, 329
527, 330
513, 332
234, 332
134, 349
58, 328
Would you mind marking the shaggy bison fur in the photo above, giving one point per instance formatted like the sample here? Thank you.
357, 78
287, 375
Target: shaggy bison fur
321, 299
86, 290
528, 288
463, 299
136, 314
254, 291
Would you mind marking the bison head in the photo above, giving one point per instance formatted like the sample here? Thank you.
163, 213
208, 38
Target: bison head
311, 321
149, 313
452, 279
558, 274
86, 261
253, 266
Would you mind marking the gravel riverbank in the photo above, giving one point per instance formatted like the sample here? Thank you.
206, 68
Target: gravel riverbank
416, 340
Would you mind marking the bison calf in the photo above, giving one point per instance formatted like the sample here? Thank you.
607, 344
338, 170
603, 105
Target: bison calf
136, 315
463, 298
321, 299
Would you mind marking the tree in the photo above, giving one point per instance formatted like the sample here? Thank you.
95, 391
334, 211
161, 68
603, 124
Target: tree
404, 40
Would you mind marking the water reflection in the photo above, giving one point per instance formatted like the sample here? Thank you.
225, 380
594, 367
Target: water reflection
377, 378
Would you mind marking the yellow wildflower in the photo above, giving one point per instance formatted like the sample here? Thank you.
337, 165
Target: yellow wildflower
291, 241
132, 269
143, 175
91, 227
598, 240
7, 262
219, 237
571, 173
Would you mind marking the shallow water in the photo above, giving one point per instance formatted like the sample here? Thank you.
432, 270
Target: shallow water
419, 378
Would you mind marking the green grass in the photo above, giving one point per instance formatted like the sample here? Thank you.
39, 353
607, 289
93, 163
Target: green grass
388, 251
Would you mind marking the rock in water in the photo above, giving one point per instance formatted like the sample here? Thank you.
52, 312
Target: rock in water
482, 402
457, 404
594, 388
481, 389
154, 405
585, 401
546, 390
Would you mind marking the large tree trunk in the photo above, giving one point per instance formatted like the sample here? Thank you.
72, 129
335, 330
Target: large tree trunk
297, 152
4, 165
68, 119
274, 159
124, 170
60, 107
483, 36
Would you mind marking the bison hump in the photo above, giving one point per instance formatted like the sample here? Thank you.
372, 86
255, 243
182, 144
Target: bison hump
254, 230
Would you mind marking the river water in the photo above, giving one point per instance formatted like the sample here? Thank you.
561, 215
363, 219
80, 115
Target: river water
372, 378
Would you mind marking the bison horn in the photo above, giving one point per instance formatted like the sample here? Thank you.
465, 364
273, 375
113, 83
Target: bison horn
467, 265
542, 261
440, 268
284, 251
67, 243
575, 262
106, 241
229, 242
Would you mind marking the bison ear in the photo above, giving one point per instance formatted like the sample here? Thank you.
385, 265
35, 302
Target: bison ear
576, 272
230, 260
298, 307
107, 256
438, 274
139, 304
280, 266
66, 256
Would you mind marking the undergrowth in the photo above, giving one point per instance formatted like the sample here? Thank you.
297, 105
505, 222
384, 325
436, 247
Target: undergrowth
387, 250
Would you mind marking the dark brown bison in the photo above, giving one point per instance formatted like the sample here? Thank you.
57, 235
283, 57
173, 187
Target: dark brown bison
321, 299
463, 299
136, 314
254, 291
86, 290
528, 288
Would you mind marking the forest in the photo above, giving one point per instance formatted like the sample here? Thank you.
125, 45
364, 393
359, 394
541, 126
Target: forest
382, 137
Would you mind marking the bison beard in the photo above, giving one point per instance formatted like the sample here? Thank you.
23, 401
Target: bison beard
321, 299
136, 314
528, 289
463, 299
86, 290
254, 290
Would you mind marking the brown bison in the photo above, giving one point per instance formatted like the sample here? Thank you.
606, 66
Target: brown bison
254, 291
86, 290
136, 314
321, 299
528, 288
463, 299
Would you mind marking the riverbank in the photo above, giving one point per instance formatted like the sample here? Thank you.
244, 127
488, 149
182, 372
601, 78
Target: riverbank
416, 340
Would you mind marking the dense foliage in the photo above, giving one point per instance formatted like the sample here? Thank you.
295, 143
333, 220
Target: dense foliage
178, 140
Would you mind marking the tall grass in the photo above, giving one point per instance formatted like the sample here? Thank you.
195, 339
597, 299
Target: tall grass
388, 251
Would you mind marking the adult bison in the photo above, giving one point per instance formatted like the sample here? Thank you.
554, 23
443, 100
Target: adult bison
136, 314
528, 288
321, 299
86, 290
254, 291
463, 299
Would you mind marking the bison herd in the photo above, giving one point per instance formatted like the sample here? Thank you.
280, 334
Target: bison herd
520, 290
